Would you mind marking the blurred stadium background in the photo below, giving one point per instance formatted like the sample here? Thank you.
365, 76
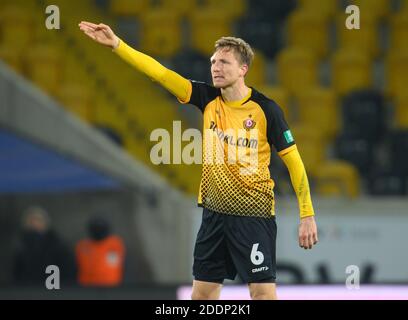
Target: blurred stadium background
75, 123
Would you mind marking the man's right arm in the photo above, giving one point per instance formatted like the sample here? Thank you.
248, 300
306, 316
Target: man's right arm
172, 81
169, 79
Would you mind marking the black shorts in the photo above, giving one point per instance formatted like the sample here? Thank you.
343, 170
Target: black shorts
228, 244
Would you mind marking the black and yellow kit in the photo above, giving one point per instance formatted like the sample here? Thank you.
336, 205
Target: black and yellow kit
238, 230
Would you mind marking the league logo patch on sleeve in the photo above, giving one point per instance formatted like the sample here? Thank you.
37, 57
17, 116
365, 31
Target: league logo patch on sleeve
288, 136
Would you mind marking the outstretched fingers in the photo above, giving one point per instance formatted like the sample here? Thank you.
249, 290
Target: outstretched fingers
91, 34
86, 29
88, 24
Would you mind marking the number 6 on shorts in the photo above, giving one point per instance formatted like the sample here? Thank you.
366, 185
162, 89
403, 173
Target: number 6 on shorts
257, 257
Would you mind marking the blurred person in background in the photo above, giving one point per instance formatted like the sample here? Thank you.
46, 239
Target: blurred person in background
40, 246
238, 230
100, 257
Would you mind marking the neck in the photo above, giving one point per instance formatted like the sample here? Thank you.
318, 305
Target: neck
235, 92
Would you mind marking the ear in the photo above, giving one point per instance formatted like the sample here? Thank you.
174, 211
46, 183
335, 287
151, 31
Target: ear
244, 69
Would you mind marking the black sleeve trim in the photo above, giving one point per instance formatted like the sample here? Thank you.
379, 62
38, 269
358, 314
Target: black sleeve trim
278, 132
202, 94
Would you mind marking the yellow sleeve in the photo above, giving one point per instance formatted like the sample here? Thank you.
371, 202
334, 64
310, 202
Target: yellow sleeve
169, 79
299, 180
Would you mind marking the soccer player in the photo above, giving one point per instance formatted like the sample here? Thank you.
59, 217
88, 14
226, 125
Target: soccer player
238, 229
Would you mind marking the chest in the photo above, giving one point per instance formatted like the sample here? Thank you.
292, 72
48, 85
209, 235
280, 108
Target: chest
247, 117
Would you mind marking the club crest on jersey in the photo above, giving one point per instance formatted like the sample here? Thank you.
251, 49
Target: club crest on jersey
249, 123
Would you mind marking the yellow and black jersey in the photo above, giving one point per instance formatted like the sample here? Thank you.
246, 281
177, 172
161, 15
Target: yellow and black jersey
237, 144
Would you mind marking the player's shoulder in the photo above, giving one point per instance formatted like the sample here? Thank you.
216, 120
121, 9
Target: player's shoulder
269, 106
201, 85
202, 94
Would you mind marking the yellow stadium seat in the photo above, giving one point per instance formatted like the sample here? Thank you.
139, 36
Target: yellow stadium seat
256, 75
73, 71
401, 111
280, 95
311, 146
16, 27
378, 8
207, 26
318, 108
325, 8
309, 30
153, 112
297, 69
161, 33
43, 67
337, 178
351, 70
128, 7
12, 57
191, 177
396, 72
364, 39
29, 4
399, 32
77, 99
230, 8
312, 155
185, 177
138, 150
106, 114
180, 7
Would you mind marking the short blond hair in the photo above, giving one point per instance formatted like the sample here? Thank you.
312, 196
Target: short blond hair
243, 50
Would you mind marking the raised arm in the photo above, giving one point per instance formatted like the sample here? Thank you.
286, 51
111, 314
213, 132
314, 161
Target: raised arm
169, 79
307, 227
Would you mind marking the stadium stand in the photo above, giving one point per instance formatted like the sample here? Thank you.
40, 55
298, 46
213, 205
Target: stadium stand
325, 77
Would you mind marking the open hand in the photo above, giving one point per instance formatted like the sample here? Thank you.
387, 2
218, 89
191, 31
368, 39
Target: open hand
101, 33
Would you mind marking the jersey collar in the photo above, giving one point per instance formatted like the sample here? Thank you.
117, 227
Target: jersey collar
238, 103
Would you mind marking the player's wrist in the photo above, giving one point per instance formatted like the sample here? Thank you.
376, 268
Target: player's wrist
116, 43
309, 216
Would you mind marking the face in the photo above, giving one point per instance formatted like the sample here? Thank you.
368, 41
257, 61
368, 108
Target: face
36, 222
226, 70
